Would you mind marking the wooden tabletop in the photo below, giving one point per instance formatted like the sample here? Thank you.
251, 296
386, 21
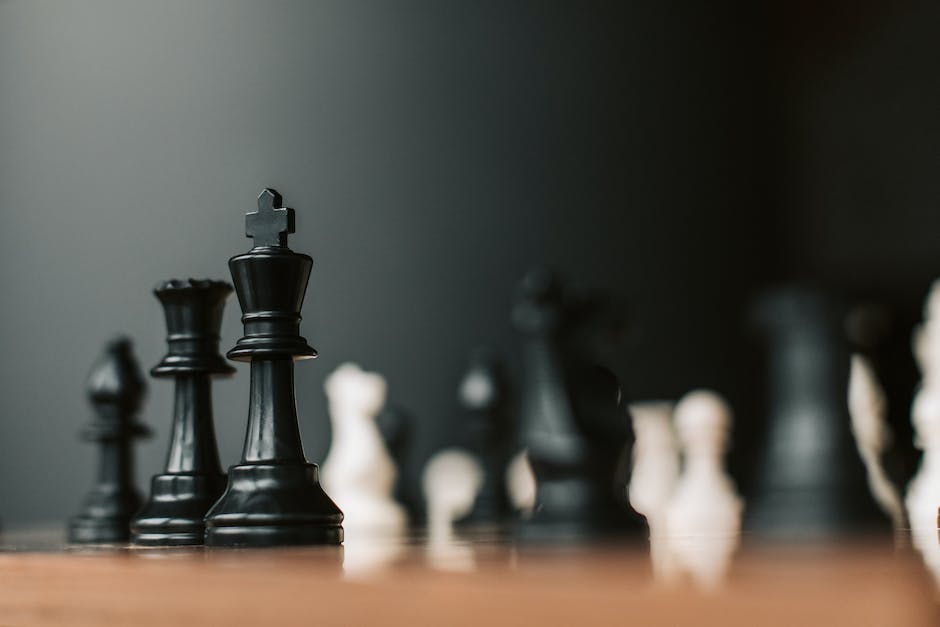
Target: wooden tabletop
470, 583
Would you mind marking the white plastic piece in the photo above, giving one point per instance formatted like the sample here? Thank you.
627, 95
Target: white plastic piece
451, 481
703, 518
358, 473
520, 484
655, 471
867, 408
923, 492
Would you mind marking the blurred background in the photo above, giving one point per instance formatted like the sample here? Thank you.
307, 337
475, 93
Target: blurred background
686, 157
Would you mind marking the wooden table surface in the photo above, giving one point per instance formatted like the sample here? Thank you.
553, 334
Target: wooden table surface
473, 583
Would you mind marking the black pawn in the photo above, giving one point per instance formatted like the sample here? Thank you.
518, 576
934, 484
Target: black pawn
396, 427
489, 433
116, 389
192, 480
274, 495
573, 422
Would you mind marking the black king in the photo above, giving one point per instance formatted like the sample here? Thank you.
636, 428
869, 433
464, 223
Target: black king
273, 497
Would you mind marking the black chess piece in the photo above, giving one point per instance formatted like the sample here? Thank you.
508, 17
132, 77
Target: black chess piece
810, 481
192, 480
489, 433
396, 426
116, 390
273, 496
574, 423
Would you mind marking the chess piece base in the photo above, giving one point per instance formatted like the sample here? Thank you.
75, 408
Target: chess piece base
817, 514
274, 505
176, 510
85, 529
105, 518
572, 511
273, 535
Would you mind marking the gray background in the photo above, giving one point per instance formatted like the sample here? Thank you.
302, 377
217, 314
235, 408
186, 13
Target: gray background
681, 156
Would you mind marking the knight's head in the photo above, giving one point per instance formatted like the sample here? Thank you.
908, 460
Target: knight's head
351, 388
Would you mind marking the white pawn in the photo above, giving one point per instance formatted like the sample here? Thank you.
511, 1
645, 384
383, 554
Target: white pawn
451, 481
358, 472
703, 518
653, 478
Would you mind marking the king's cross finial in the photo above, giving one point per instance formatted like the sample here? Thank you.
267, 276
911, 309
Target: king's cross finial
271, 223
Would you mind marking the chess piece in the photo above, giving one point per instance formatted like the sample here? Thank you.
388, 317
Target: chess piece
273, 496
116, 390
810, 481
451, 482
489, 434
874, 332
703, 518
192, 479
654, 476
358, 471
573, 421
520, 485
868, 410
396, 427
922, 500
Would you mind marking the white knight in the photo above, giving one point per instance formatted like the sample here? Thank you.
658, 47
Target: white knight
358, 472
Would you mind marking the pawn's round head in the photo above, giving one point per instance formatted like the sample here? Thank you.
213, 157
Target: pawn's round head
483, 384
703, 420
451, 481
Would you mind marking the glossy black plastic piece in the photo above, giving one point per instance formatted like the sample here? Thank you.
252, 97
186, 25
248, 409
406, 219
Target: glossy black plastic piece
574, 423
116, 390
397, 428
192, 480
810, 481
273, 497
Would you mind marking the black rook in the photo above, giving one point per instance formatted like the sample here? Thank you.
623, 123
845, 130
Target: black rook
274, 495
193, 478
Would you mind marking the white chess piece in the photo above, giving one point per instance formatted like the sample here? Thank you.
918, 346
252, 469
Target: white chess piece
520, 484
358, 472
655, 462
703, 519
923, 492
926, 340
867, 408
451, 481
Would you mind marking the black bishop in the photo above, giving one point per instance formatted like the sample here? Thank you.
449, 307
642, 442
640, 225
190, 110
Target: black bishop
116, 390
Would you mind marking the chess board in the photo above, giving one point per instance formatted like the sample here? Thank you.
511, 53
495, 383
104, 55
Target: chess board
476, 580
